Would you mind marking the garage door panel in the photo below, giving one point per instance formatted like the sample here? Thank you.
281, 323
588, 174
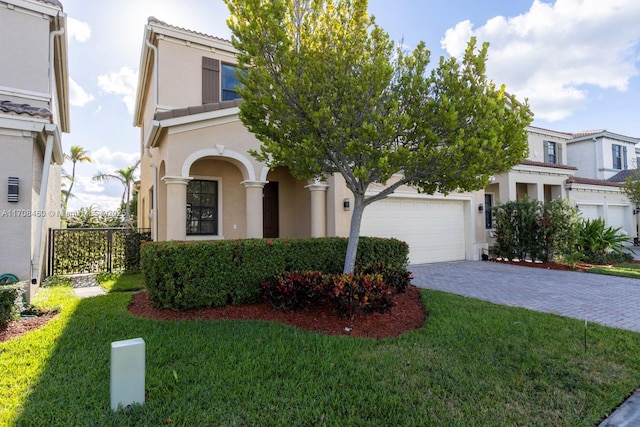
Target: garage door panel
434, 229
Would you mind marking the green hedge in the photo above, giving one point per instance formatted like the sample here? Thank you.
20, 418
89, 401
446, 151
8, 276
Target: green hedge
182, 275
9, 302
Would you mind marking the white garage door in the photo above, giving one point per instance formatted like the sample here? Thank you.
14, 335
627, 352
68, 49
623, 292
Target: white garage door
589, 211
616, 217
434, 229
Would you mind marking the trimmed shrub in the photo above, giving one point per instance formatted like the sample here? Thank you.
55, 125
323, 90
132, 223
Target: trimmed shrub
182, 275
8, 308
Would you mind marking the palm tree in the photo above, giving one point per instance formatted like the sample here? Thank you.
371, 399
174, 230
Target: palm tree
126, 177
77, 154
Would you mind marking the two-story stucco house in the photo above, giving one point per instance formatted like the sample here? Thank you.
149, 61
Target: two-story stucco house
34, 110
198, 180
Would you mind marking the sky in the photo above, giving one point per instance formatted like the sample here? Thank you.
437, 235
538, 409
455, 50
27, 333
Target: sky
577, 62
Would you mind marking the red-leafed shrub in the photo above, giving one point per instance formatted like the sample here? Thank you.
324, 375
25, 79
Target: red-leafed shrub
351, 293
393, 276
294, 290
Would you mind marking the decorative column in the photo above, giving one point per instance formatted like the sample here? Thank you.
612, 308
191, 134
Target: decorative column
176, 206
507, 189
318, 209
253, 191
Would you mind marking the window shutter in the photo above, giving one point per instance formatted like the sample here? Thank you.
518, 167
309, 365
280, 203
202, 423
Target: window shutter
546, 151
210, 80
624, 158
559, 154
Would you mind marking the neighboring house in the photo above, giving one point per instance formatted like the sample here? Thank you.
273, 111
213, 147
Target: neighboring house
603, 159
34, 110
198, 180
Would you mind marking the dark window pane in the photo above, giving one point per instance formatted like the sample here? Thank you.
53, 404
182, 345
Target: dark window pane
229, 83
202, 207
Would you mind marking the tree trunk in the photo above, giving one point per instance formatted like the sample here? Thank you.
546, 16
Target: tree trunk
354, 234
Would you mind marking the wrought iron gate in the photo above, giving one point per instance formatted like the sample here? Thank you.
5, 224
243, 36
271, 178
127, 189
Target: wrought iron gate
93, 250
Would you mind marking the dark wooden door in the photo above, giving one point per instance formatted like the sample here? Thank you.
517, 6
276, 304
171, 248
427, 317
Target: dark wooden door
271, 219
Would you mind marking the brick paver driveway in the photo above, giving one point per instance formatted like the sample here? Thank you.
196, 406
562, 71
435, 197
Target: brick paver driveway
611, 301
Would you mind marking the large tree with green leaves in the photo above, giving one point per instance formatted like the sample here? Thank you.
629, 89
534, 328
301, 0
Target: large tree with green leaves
126, 177
75, 155
326, 92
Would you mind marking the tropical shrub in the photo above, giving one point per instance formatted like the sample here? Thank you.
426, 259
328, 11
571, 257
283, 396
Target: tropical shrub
294, 290
599, 243
530, 228
351, 293
396, 278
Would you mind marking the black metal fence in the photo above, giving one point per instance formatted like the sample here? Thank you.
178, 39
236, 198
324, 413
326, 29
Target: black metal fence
94, 250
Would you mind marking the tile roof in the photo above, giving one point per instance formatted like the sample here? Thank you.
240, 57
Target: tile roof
623, 175
53, 2
588, 132
15, 108
187, 111
154, 20
589, 181
548, 165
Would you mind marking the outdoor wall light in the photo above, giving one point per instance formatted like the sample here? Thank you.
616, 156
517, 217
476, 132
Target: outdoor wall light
12, 193
346, 204
480, 208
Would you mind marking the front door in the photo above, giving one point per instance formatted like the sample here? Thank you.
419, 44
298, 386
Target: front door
270, 222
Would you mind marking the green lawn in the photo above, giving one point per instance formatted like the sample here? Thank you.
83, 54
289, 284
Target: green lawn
473, 363
623, 270
120, 282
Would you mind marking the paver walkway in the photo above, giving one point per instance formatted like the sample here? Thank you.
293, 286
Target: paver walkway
608, 300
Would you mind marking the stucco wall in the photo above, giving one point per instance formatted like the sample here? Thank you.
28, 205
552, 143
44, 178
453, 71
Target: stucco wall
15, 221
536, 140
180, 76
25, 58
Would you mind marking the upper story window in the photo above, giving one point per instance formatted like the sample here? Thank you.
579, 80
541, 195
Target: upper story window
619, 154
553, 152
229, 82
219, 81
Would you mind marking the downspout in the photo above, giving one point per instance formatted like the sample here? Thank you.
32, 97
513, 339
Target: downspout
50, 130
155, 167
155, 71
42, 205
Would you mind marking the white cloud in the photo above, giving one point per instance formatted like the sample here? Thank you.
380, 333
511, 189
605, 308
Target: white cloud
107, 161
78, 97
78, 30
555, 54
123, 82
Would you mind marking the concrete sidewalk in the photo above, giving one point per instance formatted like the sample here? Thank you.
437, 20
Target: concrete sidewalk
608, 300
86, 286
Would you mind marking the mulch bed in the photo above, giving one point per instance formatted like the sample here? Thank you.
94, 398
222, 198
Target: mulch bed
407, 314
18, 327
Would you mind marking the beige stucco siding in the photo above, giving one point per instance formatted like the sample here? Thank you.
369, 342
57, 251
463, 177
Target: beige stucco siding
25, 59
15, 222
176, 63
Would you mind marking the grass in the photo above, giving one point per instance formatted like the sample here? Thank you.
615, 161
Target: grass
622, 270
121, 282
473, 363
